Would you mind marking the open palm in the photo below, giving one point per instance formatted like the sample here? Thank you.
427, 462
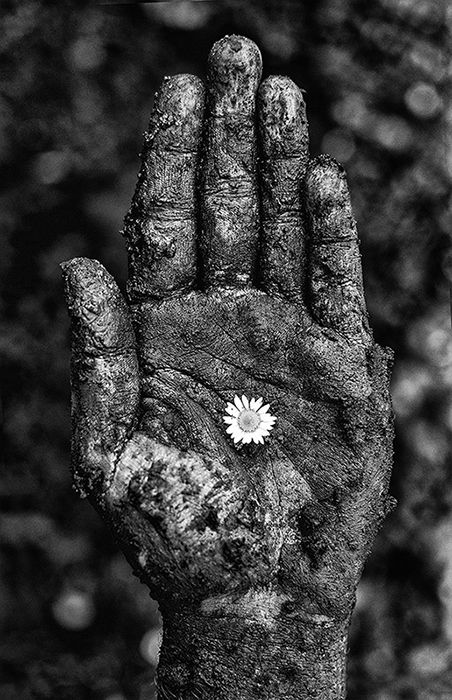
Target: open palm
244, 279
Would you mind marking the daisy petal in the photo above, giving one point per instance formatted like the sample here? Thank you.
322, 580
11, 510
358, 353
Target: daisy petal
260, 439
266, 431
252, 404
236, 439
238, 403
258, 402
231, 429
264, 409
246, 439
245, 402
266, 423
229, 419
256, 438
232, 410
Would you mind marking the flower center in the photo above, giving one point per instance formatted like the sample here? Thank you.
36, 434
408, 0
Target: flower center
248, 421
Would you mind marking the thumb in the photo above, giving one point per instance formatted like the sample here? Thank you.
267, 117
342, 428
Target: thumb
104, 373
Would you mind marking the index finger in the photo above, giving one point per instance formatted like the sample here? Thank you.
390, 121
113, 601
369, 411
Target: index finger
160, 227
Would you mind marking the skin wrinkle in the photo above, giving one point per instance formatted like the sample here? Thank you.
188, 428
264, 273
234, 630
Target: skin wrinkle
236, 189
224, 355
199, 519
224, 389
209, 387
217, 435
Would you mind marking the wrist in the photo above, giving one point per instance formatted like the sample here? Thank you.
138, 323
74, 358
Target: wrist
256, 646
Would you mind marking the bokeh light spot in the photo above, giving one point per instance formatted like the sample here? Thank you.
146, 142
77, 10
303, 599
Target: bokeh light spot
150, 645
87, 53
74, 610
182, 14
423, 101
51, 167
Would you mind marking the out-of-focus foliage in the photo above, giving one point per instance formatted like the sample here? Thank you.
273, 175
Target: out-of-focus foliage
76, 90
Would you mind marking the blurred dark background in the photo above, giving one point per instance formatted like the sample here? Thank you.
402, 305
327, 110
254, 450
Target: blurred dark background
77, 88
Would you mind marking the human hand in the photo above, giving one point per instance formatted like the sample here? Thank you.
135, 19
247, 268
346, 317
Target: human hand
244, 278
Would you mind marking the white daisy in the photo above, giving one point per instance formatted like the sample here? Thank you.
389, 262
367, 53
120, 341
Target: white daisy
248, 420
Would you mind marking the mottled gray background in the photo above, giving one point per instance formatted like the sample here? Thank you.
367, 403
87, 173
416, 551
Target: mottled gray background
76, 91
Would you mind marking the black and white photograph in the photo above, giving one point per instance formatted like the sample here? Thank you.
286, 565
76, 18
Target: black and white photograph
226, 350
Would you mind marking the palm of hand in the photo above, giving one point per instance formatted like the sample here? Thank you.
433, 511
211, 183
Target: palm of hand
196, 515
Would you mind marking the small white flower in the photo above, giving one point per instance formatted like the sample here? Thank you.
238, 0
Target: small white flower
248, 421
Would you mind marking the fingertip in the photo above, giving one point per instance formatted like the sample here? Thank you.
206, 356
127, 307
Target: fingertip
234, 70
99, 315
181, 84
235, 51
282, 89
325, 166
282, 117
323, 176
177, 117
182, 94
328, 196
75, 266
85, 280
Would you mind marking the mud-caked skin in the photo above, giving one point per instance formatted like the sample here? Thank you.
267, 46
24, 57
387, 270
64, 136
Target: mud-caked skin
245, 278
